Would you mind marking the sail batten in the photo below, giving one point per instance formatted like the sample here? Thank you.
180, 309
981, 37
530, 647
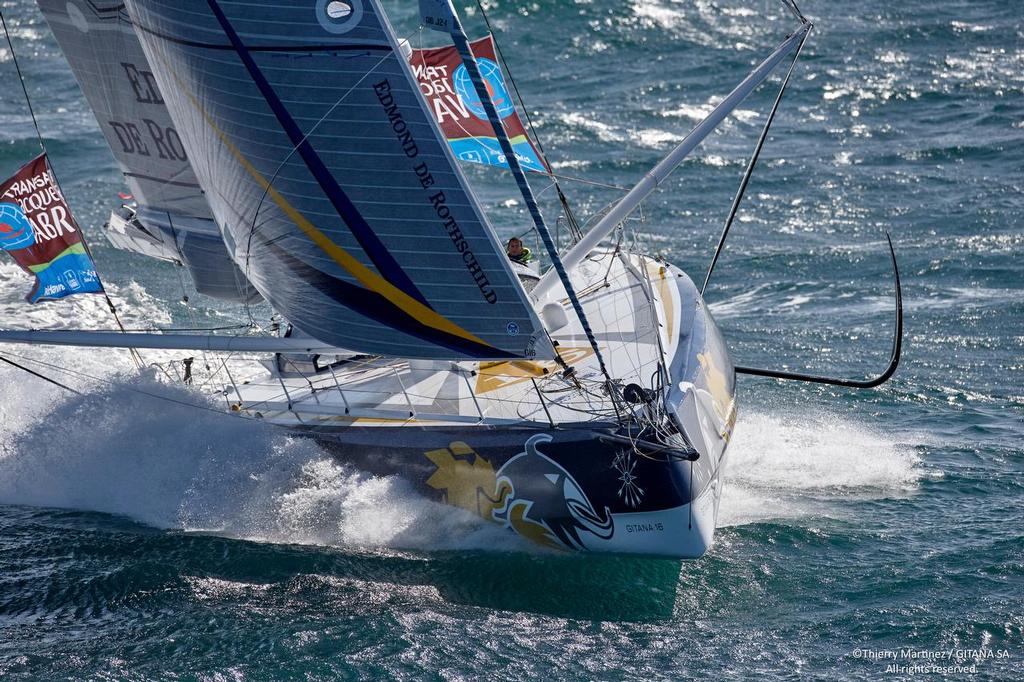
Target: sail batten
362, 231
331, 172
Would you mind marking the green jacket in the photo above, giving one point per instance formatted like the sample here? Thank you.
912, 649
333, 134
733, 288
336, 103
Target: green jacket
525, 257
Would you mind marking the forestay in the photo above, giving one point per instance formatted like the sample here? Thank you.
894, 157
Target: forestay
332, 182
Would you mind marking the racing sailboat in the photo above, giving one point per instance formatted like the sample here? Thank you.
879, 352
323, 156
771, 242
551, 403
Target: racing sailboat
287, 151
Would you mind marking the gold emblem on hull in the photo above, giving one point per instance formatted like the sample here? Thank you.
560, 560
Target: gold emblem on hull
467, 480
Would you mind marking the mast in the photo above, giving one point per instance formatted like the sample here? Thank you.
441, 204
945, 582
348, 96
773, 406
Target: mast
432, 10
657, 175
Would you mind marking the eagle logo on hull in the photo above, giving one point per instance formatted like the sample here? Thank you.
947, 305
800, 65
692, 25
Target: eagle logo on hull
544, 503
531, 493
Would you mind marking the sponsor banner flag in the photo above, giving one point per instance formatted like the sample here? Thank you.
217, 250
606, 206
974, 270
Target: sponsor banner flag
38, 230
452, 97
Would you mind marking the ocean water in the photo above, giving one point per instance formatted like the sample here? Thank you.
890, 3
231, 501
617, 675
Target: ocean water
141, 538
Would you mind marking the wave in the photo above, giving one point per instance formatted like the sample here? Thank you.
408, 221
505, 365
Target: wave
167, 457
788, 466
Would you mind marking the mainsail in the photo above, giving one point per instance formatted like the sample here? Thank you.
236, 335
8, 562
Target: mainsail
334, 187
105, 55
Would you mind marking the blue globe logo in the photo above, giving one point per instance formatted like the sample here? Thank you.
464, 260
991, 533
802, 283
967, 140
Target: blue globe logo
495, 88
15, 229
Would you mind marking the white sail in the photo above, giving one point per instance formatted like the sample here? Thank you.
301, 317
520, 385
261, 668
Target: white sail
104, 53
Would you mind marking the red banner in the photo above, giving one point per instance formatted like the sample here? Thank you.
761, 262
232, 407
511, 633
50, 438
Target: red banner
38, 230
456, 107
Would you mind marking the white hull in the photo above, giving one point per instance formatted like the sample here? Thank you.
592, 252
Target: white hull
477, 435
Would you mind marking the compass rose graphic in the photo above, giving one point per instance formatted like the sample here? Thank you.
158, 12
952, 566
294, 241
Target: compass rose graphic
629, 491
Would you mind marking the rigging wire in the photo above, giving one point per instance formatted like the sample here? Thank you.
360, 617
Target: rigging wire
135, 355
102, 380
745, 181
791, 6
574, 227
585, 181
41, 376
184, 294
175, 330
21, 79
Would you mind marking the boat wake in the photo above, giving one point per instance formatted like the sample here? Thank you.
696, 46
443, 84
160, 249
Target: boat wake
786, 466
138, 448
161, 461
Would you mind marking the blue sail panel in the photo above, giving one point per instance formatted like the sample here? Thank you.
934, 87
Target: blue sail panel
335, 189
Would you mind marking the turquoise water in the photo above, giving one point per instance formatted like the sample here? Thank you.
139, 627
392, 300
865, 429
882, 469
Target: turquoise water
143, 539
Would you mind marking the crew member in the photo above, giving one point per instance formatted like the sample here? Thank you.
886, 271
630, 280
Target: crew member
517, 253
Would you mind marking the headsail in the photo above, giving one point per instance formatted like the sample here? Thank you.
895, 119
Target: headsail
107, 60
105, 55
333, 184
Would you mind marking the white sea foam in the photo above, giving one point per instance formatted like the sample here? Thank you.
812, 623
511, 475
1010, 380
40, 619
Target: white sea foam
603, 131
656, 139
166, 464
785, 466
698, 112
795, 301
663, 16
741, 304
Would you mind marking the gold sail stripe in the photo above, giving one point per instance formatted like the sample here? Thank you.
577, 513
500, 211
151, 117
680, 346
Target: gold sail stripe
350, 264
